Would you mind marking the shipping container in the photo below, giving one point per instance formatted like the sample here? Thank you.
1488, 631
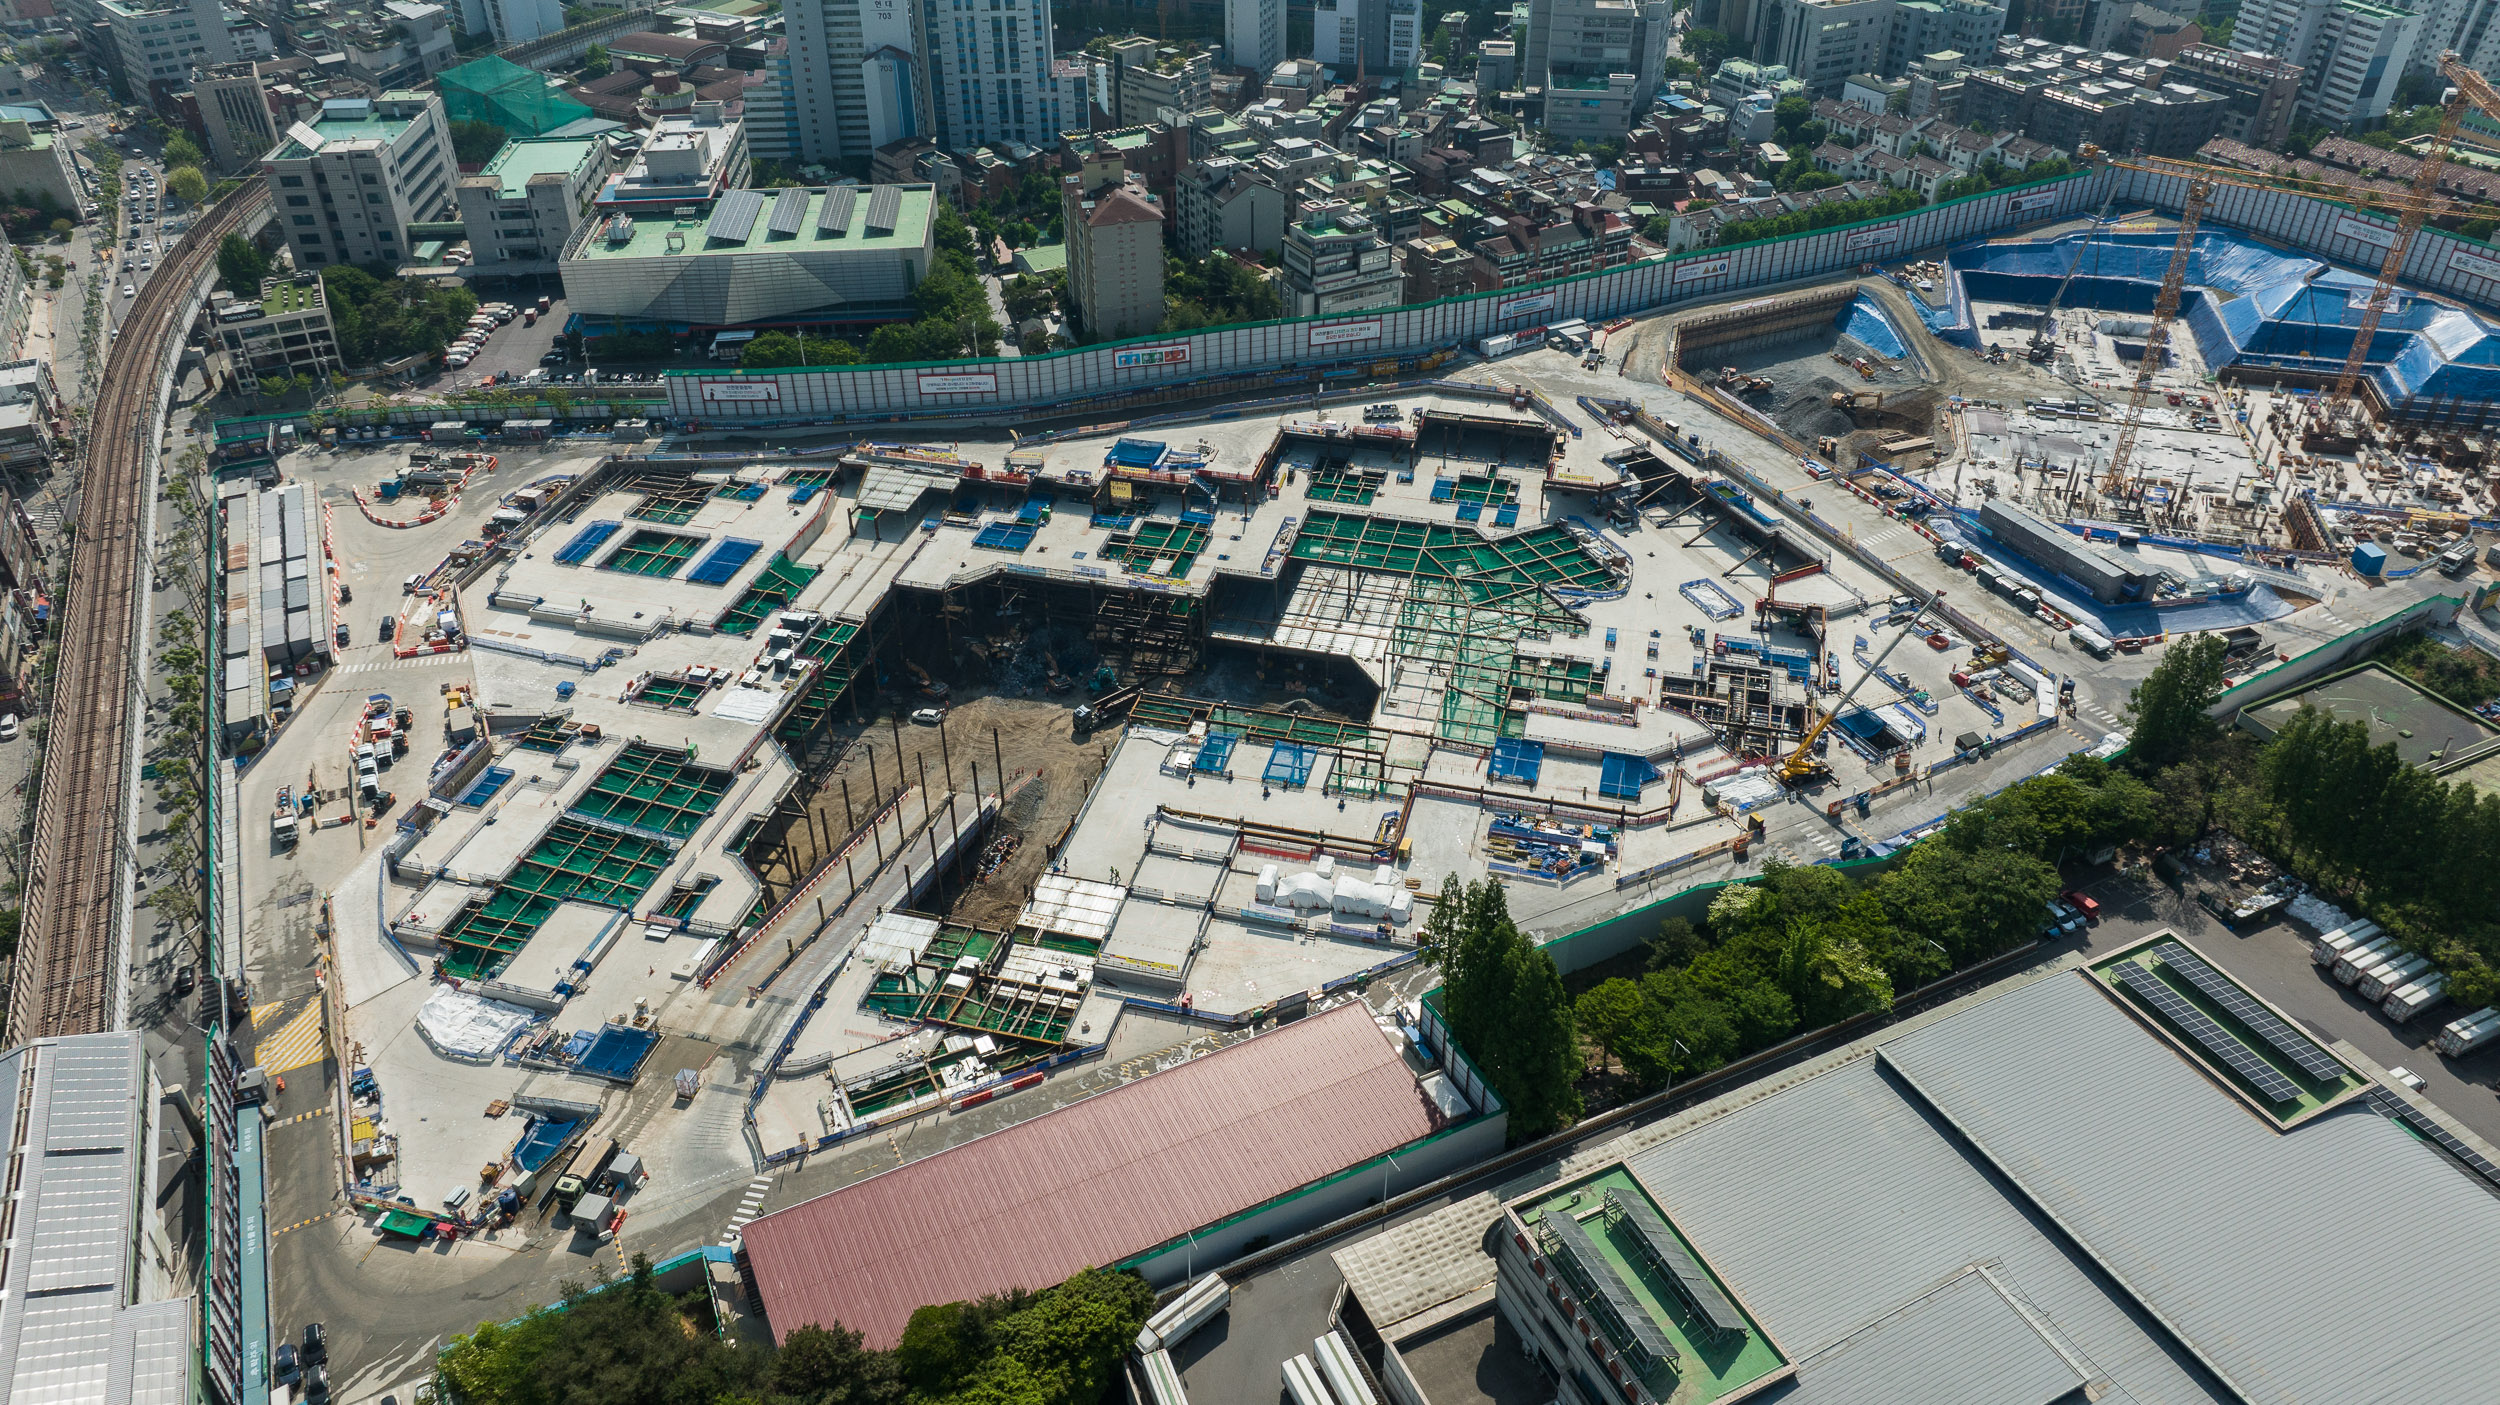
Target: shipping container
1193, 1308
1498, 345
1338, 1367
2392, 975
2327, 949
2404, 1004
2350, 965
1303, 1385
2466, 1033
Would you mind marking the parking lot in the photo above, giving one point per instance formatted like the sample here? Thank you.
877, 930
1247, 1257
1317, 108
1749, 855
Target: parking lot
514, 349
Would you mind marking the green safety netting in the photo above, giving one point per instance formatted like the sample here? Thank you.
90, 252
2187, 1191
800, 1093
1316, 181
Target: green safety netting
514, 98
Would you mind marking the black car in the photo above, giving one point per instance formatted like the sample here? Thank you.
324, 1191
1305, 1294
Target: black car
552, 358
185, 981
283, 1368
316, 1343
341, 636
316, 1387
390, 628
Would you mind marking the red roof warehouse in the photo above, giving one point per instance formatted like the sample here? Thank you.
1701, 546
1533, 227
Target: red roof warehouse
1093, 1183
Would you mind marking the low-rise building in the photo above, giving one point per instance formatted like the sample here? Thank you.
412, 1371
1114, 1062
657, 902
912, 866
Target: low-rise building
1115, 256
348, 185
849, 253
1335, 261
1588, 240
1148, 77
30, 402
522, 206
36, 159
1222, 203
684, 160
285, 331
1738, 79
2071, 97
1435, 267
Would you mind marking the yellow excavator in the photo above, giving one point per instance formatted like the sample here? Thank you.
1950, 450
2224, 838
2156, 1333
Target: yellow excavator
1803, 767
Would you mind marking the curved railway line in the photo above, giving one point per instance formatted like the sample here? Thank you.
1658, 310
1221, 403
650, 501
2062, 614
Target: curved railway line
68, 961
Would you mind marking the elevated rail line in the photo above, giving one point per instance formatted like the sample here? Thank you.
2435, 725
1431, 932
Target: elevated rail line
72, 935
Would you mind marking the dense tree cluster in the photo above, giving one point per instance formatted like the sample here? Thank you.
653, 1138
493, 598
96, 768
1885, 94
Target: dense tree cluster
1823, 216
1213, 291
2466, 676
631, 1344
381, 316
1505, 1004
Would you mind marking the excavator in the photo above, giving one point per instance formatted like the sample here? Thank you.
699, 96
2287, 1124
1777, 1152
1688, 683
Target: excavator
1802, 767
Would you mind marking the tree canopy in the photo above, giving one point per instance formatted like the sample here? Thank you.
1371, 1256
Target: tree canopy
1505, 1005
631, 1344
2170, 707
380, 316
241, 265
186, 184
474, 143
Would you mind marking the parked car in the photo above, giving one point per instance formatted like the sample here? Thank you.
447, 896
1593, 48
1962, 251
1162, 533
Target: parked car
286, 1370
8, 727
390, 628
316, 1343
929, 716
2083, 902
341, 636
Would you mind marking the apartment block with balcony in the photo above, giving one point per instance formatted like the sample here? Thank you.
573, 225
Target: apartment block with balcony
1435, 267
285, 331
1588, 240
1115, 257
1599, 62
2260, 91
1336, 261
348, 185
1148, 77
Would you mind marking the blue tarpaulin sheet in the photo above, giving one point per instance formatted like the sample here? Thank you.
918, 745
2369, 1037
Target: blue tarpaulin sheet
540, 1143
484, 787
1866, 322
1216, 752
617, 1051
1516, 760
586, 541
1622, 777
724, 561
1005, 536
1137, 453
1291, 763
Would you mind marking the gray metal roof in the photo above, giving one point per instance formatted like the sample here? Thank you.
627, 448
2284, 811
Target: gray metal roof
70, 1278
1964, 1343
2246, 1241
1828, 1205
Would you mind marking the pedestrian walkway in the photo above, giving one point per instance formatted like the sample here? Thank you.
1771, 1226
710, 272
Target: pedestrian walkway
749, 1206
377, 665
296, 1044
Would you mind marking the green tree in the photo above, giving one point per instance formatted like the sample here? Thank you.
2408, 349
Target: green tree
381, 317
1505, 1005
1613, 1016
186, 184
2171, 707
180, 150
595, 61
829, 1366
1708, 48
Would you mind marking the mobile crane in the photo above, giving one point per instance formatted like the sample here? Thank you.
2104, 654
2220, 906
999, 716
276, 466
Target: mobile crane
1802, 767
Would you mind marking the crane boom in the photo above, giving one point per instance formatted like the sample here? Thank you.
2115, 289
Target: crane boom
1800, 764
2157, 337
2471, 91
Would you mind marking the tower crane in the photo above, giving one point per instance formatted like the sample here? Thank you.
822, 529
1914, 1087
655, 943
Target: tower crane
1802, 767
2412, 207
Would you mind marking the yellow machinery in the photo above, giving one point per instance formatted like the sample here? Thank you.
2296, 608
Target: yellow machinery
1802, 766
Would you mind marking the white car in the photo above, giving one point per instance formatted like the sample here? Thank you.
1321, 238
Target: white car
148, 247
130, 290
8, 728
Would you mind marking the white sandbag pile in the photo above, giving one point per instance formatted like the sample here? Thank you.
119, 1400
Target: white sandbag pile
1342, 893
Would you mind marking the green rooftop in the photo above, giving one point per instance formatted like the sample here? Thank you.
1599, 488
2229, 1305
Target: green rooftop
536, 156
381, 129
649, 237
1707, 1364
283, 295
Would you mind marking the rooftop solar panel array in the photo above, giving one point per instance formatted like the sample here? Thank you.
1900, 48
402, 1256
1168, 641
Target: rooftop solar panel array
789, 210
885, 203
1667, 1255
2194, 1023
836, 215
1603, 1293
2242, 1006
733, 219
2405, 1112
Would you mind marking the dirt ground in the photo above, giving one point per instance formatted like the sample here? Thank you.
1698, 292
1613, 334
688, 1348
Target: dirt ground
1048, 774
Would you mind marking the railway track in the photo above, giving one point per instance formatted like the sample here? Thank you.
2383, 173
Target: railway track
71, 934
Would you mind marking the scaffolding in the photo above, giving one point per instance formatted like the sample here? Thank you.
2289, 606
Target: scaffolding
655, 788
1332, 481
574, 861
1540, 556
671, 503
1158, 547
650, 553
1467, 632
502, 93
775, 586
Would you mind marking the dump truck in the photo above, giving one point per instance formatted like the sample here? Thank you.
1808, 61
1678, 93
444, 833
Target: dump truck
284, 824
1103, 711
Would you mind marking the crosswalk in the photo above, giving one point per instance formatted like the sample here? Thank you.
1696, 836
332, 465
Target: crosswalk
2100, 717
1885, 537
295, 1044
378, 665
748, 1208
